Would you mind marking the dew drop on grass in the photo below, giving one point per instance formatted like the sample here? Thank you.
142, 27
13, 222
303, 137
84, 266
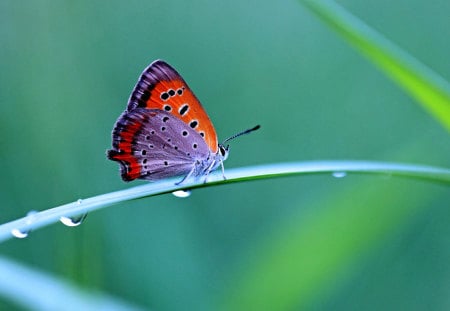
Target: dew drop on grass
29, 219
182, 193
31, 213
73, 221
339, 174
19, 234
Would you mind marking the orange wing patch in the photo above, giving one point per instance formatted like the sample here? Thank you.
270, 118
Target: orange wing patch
161, 87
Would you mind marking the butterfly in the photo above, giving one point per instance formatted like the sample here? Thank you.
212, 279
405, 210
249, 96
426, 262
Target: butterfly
165, 132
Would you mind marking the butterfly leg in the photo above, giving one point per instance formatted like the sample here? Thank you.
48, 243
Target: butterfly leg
207, 174
223, 170
187, 176
210, 169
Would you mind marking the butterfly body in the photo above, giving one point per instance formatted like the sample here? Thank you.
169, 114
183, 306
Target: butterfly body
164, 131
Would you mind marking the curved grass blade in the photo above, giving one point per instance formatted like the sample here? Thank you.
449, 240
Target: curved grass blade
35, 220
36, 290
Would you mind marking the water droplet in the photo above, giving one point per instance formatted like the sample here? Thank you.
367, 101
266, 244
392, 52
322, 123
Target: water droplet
19, 234
182, 193
31, 217
339, 174
73, 221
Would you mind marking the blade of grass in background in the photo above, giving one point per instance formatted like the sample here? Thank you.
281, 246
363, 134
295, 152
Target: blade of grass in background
300, 263
427, 87
36, 290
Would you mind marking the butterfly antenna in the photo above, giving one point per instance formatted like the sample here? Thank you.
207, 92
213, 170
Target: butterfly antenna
241, 133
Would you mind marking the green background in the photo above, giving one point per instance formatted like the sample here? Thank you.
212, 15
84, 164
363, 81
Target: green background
67, 69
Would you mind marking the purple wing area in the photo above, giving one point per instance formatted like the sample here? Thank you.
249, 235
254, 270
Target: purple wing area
164, 146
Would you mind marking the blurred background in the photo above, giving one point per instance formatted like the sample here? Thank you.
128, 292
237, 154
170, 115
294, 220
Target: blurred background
67, 69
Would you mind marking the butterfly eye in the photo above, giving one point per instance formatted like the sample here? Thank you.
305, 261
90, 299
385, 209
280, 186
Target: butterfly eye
223, 150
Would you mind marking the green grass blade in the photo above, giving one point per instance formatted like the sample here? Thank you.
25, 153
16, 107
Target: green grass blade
426, 86
37, 220
310, 252
36, 290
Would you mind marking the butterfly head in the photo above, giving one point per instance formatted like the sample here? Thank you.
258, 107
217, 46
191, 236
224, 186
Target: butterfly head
223, 152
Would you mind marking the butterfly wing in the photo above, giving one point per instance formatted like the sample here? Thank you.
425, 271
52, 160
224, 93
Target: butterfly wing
161, 87
153, 144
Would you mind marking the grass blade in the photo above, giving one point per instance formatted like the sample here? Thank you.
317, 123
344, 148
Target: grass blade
420, 82
36, 290
309, 253
40, 219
